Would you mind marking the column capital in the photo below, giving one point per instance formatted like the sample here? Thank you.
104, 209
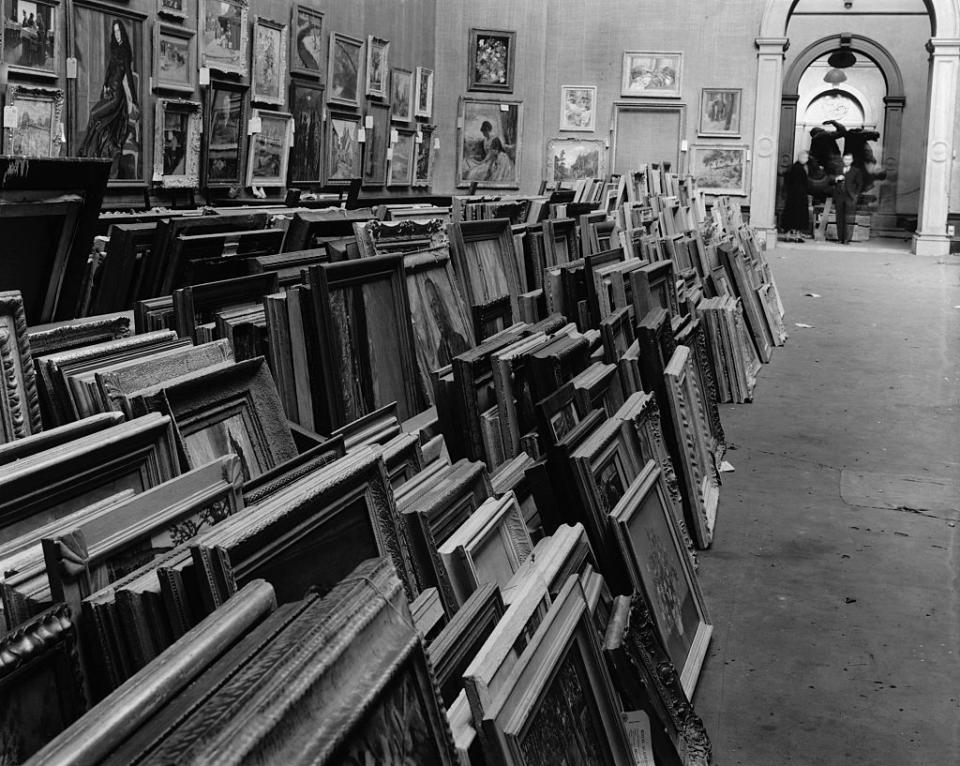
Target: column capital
943, 46
772, 44
895, 102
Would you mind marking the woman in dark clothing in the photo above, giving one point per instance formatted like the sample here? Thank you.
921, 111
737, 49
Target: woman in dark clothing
795, 220
109, 123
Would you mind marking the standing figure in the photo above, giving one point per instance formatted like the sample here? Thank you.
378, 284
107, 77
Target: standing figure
846, 190
109, 123
795, 219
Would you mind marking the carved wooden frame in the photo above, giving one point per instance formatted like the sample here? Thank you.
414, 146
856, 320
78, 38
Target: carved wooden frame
695, 337
648, 485
190, 178
53, 97
643, 672
236, 65
464, 552
281, 63
479, 283
19, 398
646, 281
160, 30
270, 483
61, 336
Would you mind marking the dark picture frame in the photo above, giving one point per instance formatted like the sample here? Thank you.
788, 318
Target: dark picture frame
491, 63
306, 158
225, 122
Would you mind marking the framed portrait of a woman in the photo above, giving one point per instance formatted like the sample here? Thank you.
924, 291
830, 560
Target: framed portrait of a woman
306, 49
269, 62
31, 37
343, 70
224, 36
225, 113
269, 149
112, 75
176, 144
489, 151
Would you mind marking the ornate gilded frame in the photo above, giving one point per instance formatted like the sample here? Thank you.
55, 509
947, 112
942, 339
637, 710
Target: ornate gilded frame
234, 64
190, 178
19, 399
256, 95
52, 96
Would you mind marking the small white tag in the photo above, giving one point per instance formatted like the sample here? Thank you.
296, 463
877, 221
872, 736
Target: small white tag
254, 126
638, 734
157, 177
394, 136
684, 146
460, 123
361, 135
436, 143
389, 153
418, 138
504, 107
71, 68
11, 117
204, 75
368, 121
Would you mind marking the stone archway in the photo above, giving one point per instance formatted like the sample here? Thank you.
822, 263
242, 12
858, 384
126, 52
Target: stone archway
892, 113
944, 48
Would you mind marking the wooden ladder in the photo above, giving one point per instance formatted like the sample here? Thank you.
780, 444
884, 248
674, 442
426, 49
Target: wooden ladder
820, 234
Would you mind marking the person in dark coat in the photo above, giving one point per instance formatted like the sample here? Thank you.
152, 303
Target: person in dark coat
846, 190
795, 219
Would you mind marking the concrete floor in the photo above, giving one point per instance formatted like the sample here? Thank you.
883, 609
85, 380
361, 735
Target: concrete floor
832, 582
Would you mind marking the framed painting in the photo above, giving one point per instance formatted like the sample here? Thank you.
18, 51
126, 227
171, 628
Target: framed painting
306, 161
401, 95
491, 63
306, 51
173, 9
720, 112
378, 67
269, 62
343, 70
651, 74
342, 163
176, 147
19, 402
111, 52
375, 147
174, 58
578, 108
660, 568
574, 159
423, 102
39, 115
423, 153
269, 150
489, 151
401, 162
226, 121
719, 168
223, 36
31, 37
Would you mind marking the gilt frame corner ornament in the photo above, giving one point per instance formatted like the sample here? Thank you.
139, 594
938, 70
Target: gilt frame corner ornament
189, 175
14, 138
19, 398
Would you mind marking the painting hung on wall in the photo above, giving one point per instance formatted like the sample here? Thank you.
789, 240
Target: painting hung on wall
175, 9
651, 74
31, 37
401, 95
223, 36
401, 166
269, 150
174, 60
378, 67
306, 52
344, 70
39, 111
491, 61
269, 61
176, 150
226, 121
719, 168
720, 112
343, 150
424, 158
306, 160
424, 96
578, 108
375, 148
571, 159
108, 120
490, 143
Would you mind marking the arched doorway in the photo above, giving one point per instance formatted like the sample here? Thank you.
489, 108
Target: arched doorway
943, 81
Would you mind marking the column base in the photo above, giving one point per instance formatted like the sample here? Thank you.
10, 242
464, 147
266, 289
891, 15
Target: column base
931, 244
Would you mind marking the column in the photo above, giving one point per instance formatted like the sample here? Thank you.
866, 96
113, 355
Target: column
766, 132
788, 130
931, 237
886, 217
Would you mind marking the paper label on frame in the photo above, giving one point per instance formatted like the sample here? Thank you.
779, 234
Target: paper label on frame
204, 75
11, 117
394, 136
637, 724
368, 122
504, 107
389, 153
436, 143
254, 125
361, 135
71, 68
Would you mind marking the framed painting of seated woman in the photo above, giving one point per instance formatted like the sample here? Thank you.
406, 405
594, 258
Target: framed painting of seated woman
489, 143
112, 76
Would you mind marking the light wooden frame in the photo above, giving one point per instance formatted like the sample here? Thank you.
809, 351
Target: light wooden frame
17, 94
272, 181
235, 63
647, 92
705, 132
553, 144
328, 145
338, 38
696, 150
190, 178
648, 485
397, 75
423, 93
370, 89
407, 136
161, 30
591, 124
19, 396
280, 77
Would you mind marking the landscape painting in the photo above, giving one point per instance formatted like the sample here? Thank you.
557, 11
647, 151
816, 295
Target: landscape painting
572, 159
719, 168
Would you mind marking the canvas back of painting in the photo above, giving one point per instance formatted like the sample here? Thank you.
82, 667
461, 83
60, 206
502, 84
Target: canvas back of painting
646, 136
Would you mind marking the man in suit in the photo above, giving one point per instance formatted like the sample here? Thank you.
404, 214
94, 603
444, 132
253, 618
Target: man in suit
846, 190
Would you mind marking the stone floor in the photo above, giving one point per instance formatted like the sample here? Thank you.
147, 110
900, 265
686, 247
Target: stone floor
833, 578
